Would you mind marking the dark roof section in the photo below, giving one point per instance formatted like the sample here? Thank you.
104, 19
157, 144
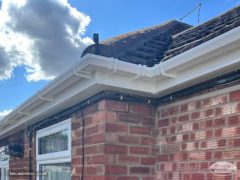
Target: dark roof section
202, 33
152, 45
145, 46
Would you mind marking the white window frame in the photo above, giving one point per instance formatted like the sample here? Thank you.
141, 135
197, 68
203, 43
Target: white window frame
55, 157
4, 165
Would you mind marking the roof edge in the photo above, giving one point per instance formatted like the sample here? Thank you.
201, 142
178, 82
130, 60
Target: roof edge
93, 73
124, 42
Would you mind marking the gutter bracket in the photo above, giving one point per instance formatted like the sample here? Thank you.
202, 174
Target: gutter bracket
160, 71
45, 98
81, 73
112, 68
139, 74
22, 113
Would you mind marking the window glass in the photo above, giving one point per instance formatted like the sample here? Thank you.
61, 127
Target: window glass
3, 156
4, 174
58, 171
53, 143
54, 151
3, 165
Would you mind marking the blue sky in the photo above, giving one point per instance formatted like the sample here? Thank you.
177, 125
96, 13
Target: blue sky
108, 18
113, 17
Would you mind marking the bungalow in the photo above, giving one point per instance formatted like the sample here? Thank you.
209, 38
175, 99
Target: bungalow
158, 103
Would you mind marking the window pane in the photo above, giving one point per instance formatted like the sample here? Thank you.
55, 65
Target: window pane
59, 171
3, 156
53, 143
4, 174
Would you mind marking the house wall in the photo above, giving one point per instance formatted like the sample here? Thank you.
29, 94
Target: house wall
94, 118
119, 142
135, 141
21, 165
196, 132
130, 141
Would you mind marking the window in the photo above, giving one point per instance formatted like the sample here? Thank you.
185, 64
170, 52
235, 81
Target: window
56, 171
3, 165
53, 145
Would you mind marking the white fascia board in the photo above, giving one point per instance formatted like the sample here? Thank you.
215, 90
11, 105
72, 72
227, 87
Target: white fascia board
94, 73
205, 51
65, 99
211, 68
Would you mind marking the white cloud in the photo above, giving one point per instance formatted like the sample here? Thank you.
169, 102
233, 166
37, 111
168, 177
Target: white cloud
4, 113
45, 36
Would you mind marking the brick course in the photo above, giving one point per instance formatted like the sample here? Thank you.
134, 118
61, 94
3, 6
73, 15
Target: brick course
134, 141
119, 141
21, 164
206, 130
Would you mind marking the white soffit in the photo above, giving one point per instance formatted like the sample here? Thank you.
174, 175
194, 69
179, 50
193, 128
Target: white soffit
93, 74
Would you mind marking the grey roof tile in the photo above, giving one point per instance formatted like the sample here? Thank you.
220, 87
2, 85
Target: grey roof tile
160, 43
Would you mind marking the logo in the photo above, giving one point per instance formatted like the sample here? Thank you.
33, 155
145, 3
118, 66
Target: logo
223, 168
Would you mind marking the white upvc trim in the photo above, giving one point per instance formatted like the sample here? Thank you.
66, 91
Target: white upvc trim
52, 161
93, 74
61, 126
56, 157
4, 164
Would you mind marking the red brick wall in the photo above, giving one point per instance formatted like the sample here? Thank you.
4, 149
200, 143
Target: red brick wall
94, 118
130, 141
134, 141
197, 132
22, 164
119, 142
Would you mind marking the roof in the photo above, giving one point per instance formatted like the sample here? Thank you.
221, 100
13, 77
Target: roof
160, 43
145, 46
95, 73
